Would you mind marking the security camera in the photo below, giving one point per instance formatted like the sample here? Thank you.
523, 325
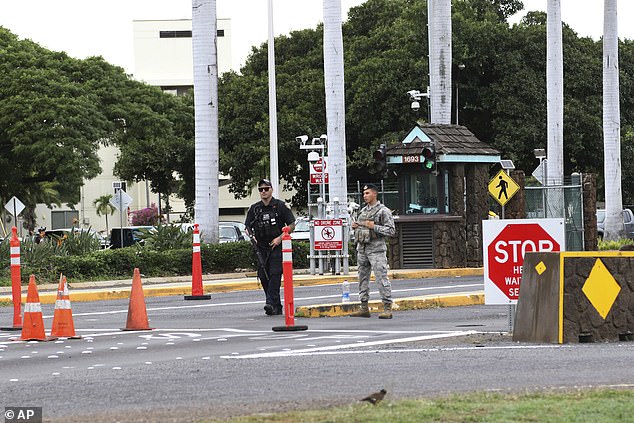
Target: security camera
415, 106
413, 93
323, 138
302, 139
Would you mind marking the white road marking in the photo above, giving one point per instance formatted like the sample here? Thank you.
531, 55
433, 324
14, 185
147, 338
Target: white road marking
297, 299
319, 350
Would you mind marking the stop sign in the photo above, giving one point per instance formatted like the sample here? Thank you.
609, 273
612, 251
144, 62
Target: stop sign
506, 244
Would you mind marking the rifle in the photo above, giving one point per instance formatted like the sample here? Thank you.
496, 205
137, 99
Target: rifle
258, 254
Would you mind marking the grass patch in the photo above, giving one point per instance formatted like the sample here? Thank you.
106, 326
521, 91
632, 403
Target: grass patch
592, 406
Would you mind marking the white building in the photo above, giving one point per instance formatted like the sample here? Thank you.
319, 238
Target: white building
163, 57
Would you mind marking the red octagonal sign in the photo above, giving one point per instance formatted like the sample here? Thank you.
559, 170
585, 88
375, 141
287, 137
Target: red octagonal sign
506, 254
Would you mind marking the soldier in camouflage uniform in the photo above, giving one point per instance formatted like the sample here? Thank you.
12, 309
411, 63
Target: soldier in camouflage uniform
375, 222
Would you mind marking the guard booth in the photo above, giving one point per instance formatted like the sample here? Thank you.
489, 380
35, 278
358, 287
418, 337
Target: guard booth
442, 174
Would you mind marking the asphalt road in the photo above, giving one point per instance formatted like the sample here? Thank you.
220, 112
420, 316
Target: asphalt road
220, 358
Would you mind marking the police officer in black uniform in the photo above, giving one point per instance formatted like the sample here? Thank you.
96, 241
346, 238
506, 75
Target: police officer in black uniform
265, 220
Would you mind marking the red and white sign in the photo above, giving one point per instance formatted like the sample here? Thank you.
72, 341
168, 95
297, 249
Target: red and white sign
505, 242
328, 234
316, 171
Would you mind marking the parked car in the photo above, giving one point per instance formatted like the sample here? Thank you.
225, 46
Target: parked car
232, 232
302, 230
628, 221
125, 237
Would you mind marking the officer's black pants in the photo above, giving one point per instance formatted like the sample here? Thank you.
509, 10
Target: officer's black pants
271, 285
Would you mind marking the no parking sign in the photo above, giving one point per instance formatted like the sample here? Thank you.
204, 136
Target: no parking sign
328, 234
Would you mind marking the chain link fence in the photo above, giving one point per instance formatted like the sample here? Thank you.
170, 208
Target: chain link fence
560, 201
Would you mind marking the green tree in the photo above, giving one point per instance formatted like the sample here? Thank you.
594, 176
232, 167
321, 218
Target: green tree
104, 208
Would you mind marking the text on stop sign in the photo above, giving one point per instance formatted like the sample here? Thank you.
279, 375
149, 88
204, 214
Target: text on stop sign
511, 249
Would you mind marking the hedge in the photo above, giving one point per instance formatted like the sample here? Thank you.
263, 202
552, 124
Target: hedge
120, 263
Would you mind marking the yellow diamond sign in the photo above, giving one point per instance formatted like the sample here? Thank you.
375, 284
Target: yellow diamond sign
541, 268
502, 187
601, 288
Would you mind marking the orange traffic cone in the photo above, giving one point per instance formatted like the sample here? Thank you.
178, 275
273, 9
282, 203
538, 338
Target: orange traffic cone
137, 313
33, 323
63, 325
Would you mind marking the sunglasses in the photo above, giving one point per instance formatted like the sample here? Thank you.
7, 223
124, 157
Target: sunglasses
264, 189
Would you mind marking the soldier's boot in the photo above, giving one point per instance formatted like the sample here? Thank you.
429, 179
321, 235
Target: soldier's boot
387, 312
364, 310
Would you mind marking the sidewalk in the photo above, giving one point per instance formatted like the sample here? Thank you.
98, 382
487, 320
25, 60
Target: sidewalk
227, 282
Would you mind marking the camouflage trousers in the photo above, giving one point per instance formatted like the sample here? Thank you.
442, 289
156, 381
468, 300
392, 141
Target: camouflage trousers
377, 262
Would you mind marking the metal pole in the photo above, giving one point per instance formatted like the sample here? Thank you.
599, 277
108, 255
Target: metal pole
15, 215
320, 211
147, 194
121, 218
456, 103
323, 174
337, 215
311, 235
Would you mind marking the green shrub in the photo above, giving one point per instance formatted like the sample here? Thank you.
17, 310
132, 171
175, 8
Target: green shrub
614, 245
166, 237
77, 242
47, 261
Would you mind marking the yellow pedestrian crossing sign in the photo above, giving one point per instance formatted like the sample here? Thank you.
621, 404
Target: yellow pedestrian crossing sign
502, 187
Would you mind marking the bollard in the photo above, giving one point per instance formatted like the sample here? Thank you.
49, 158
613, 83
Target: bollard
197, 270
289, 302
16, 282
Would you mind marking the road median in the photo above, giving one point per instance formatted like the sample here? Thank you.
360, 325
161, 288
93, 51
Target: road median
399, 304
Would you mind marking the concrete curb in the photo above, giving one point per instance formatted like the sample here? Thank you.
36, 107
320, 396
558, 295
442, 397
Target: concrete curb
399, 304
157, 287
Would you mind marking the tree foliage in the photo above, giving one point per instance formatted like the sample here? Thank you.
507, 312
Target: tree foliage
502, 89
55, 113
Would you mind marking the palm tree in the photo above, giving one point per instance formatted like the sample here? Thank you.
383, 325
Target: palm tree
335, 101
204, 41
103, 207
439, 22
554, 94
614, 228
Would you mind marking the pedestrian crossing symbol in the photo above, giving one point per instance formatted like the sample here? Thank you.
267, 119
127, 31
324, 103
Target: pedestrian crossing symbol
502, 187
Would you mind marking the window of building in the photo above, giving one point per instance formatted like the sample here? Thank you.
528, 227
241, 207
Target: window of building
175, 34
61, 219
185, 34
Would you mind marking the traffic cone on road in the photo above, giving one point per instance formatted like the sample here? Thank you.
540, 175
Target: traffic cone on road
33, 322
137, 313
63, 325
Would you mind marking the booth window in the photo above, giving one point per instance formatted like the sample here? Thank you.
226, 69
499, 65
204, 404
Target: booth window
421, 193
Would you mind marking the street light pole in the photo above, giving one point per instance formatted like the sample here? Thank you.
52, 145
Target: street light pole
460, 67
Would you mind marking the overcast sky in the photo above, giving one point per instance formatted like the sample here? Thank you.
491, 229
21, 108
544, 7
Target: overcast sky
85, 28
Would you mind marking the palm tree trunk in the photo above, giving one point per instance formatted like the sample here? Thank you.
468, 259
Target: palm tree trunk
335, 101
439, 18
273, 150
204, 41
554, 95
614, 228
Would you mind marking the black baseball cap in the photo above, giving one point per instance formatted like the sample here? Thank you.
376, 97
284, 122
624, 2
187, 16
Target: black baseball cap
265, 182
371, 186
